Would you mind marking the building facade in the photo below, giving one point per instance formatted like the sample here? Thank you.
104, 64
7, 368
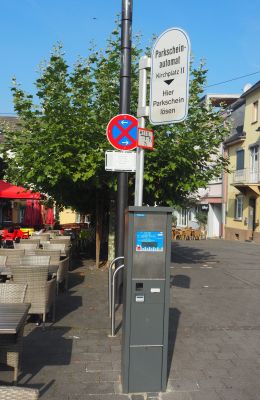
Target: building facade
242, 197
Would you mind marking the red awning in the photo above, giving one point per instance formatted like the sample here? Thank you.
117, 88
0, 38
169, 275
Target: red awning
9, 191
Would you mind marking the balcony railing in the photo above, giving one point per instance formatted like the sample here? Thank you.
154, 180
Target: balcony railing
246, 176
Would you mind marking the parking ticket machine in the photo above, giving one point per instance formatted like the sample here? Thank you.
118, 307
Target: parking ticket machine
146, 286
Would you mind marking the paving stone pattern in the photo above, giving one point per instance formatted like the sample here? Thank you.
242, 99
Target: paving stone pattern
214, 335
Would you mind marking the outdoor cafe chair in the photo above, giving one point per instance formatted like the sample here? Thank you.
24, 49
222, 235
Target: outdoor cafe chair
7, 252
55, 255
12, 292
63, 273
10, 351
186, 234
30, 241
12, 256
2, 260
26, 245
18, 393
40, 291
62, 239
34, 260
57, 246
42, 236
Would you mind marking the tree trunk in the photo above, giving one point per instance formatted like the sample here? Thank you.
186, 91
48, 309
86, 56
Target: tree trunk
111, 233
99, 218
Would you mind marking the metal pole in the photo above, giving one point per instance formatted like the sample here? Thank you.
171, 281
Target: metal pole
125, 85
144, 64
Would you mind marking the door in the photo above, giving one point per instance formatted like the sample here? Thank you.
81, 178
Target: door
254, 164
251, 215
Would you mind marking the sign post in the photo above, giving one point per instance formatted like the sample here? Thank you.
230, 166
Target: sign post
124, 107
169, 86
142, 112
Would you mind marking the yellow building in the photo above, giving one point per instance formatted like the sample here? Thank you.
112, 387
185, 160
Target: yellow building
242, 197
71, 217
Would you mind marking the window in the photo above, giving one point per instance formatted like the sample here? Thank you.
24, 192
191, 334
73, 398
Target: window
255, 112
239, 208
82, 218
240, 159
182, 217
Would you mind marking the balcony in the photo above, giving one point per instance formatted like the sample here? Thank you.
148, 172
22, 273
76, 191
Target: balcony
244, 179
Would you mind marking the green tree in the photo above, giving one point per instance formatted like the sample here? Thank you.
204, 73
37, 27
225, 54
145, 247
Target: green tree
187, 155
59, 148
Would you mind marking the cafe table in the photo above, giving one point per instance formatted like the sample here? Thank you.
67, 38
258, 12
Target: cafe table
12, 317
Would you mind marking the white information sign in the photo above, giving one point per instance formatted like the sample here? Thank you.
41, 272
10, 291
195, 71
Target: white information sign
120, 161
169, 88
145, 138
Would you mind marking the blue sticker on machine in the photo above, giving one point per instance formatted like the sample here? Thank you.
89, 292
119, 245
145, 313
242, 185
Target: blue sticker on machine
149, 241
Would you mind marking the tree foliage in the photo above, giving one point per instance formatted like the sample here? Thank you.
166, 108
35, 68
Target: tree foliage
187, 155
60, 146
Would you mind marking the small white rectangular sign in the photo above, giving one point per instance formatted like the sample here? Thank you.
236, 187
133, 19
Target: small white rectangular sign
169, 87
120, 161
145, 138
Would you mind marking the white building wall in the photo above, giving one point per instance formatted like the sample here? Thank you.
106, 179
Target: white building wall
215, 190
214, 220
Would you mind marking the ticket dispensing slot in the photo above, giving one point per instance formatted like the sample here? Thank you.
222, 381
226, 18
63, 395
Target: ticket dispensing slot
139, 298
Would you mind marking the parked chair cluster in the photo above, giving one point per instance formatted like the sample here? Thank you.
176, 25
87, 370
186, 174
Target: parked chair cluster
10, 350
30, 273
187, 234
35, 257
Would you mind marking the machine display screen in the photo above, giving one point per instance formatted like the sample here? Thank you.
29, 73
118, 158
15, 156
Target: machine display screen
149, 241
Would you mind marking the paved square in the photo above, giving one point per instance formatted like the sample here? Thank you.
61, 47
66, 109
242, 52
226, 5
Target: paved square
214, 335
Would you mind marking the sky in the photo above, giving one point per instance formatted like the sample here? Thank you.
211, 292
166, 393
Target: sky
225, 33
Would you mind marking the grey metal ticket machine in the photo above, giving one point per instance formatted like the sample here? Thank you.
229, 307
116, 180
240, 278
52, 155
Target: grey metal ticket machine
146, 287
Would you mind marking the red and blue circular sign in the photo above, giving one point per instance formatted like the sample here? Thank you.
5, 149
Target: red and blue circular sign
122, 132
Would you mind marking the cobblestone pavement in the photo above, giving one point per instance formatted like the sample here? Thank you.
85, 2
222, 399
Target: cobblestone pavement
214, 338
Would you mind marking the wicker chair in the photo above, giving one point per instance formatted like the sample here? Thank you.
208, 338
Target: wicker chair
43, 236
7, 252
28, 245
55, 255
10, 352
13, 256
2, 260
63, 273
61, 239
57, 246
18, 393
186, 234
30, 241
35, 260
12, 292
40, 291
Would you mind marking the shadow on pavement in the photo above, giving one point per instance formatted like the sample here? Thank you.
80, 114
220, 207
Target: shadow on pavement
66, 304
182, 254
182, 281
42, 349
174, 317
